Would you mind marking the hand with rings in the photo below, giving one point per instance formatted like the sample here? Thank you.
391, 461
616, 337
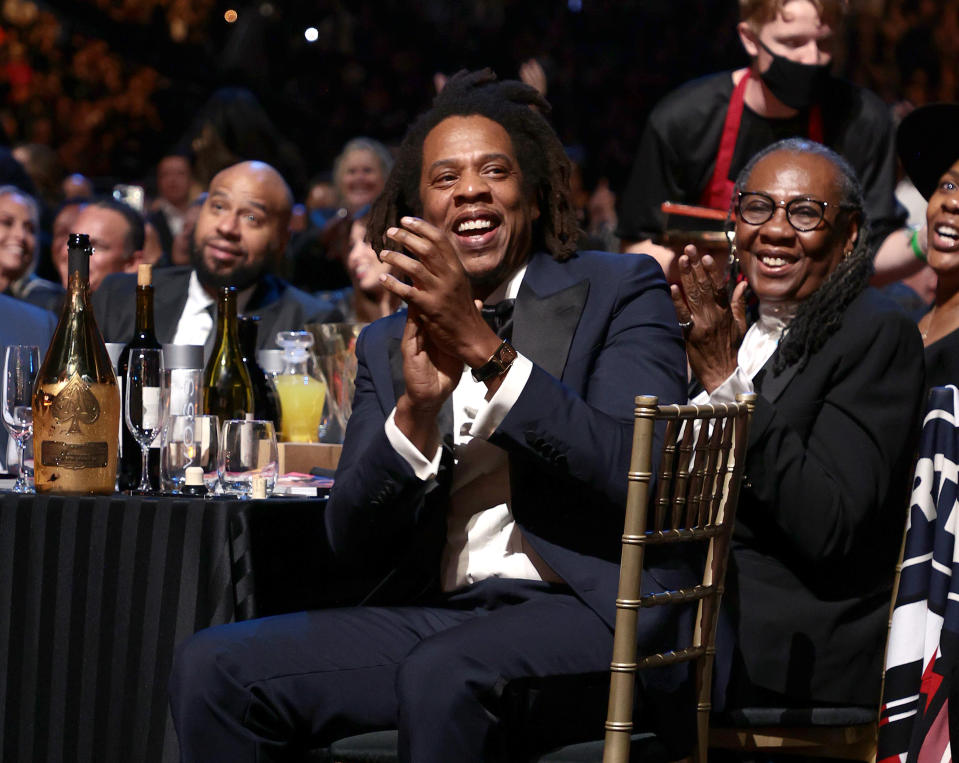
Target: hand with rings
713, 324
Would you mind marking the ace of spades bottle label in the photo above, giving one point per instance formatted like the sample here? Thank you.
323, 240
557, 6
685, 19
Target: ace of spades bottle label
75, 407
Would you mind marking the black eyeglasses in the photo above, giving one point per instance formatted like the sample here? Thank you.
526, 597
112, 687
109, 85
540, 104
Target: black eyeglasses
803, 214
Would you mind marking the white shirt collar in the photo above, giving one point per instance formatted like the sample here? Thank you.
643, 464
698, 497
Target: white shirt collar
509, 288
763, 337
774, 318
199, 298
196, 295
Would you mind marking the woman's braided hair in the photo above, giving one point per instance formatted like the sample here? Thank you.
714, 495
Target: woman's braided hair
520, 109
819, 316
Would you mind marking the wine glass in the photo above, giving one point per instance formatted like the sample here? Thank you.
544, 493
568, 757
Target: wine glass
20, 365
142, 409
247, 450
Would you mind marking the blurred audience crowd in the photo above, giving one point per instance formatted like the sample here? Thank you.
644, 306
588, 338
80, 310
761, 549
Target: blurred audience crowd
83, 111
73, 93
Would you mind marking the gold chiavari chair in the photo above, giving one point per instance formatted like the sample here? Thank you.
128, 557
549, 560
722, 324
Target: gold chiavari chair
696, 491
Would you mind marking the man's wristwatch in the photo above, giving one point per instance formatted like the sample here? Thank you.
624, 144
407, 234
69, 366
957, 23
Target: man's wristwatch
497, 365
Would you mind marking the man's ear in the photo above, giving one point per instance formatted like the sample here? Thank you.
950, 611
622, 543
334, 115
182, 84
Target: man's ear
537, 203
747, 36
131, 265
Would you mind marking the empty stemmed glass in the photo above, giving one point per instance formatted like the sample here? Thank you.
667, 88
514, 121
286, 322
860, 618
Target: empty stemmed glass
142, 409
20, 365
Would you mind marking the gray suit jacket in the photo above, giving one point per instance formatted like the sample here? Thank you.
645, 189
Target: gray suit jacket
280, 306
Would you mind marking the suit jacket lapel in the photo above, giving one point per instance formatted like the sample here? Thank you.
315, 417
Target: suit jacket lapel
271, 321
268, 304
169, 299
547, 311
396, 367
771, 385
266, 297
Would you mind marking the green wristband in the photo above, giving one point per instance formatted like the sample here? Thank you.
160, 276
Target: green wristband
916, 249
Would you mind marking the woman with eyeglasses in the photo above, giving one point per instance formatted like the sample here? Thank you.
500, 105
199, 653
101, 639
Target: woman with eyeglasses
927, 146
839, 374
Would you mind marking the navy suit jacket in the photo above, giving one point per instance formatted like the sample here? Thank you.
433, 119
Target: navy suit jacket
600, 329
22, 323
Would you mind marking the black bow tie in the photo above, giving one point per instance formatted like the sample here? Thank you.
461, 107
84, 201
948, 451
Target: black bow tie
500, 317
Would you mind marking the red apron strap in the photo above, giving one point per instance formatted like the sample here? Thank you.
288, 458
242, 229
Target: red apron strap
815, 123
720, 189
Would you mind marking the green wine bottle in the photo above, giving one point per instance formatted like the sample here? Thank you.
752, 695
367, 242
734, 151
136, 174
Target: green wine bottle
227, 388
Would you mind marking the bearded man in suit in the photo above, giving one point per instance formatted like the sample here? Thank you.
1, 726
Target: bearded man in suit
484, 471
239, 237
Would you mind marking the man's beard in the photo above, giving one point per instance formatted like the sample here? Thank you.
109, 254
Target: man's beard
242, 276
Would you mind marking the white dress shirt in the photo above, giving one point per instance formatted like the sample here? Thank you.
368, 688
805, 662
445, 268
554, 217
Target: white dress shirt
758, 345
196, 321
482, 538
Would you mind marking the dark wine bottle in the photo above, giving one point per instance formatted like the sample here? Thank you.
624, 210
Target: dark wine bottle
76, 399
144, 337
227, 388
266, 404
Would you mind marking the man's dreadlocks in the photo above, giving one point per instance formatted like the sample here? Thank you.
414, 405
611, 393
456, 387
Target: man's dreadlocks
519, 108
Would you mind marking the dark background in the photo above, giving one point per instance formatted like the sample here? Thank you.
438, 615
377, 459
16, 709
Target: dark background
114, 84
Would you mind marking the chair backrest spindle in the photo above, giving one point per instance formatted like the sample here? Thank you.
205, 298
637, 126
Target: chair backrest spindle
664, 484
700, 469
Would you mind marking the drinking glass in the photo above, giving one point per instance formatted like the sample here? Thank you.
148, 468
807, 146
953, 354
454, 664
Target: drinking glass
335, 353
20, 365
188, 440
247, 450
142, 409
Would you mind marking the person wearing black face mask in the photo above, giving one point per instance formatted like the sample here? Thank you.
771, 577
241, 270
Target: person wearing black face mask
797, 85
700, 136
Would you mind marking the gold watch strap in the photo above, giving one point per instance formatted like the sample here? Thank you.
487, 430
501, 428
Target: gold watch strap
498, 363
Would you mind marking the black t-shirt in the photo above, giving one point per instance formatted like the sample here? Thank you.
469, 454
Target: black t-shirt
677, 154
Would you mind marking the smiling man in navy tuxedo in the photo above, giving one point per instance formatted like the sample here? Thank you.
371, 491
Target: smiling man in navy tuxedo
484, 471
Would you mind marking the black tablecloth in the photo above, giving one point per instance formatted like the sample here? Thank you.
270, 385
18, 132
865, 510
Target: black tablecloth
95, 593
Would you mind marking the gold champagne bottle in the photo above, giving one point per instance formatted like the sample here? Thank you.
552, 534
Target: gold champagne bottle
76, 399
227, 389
